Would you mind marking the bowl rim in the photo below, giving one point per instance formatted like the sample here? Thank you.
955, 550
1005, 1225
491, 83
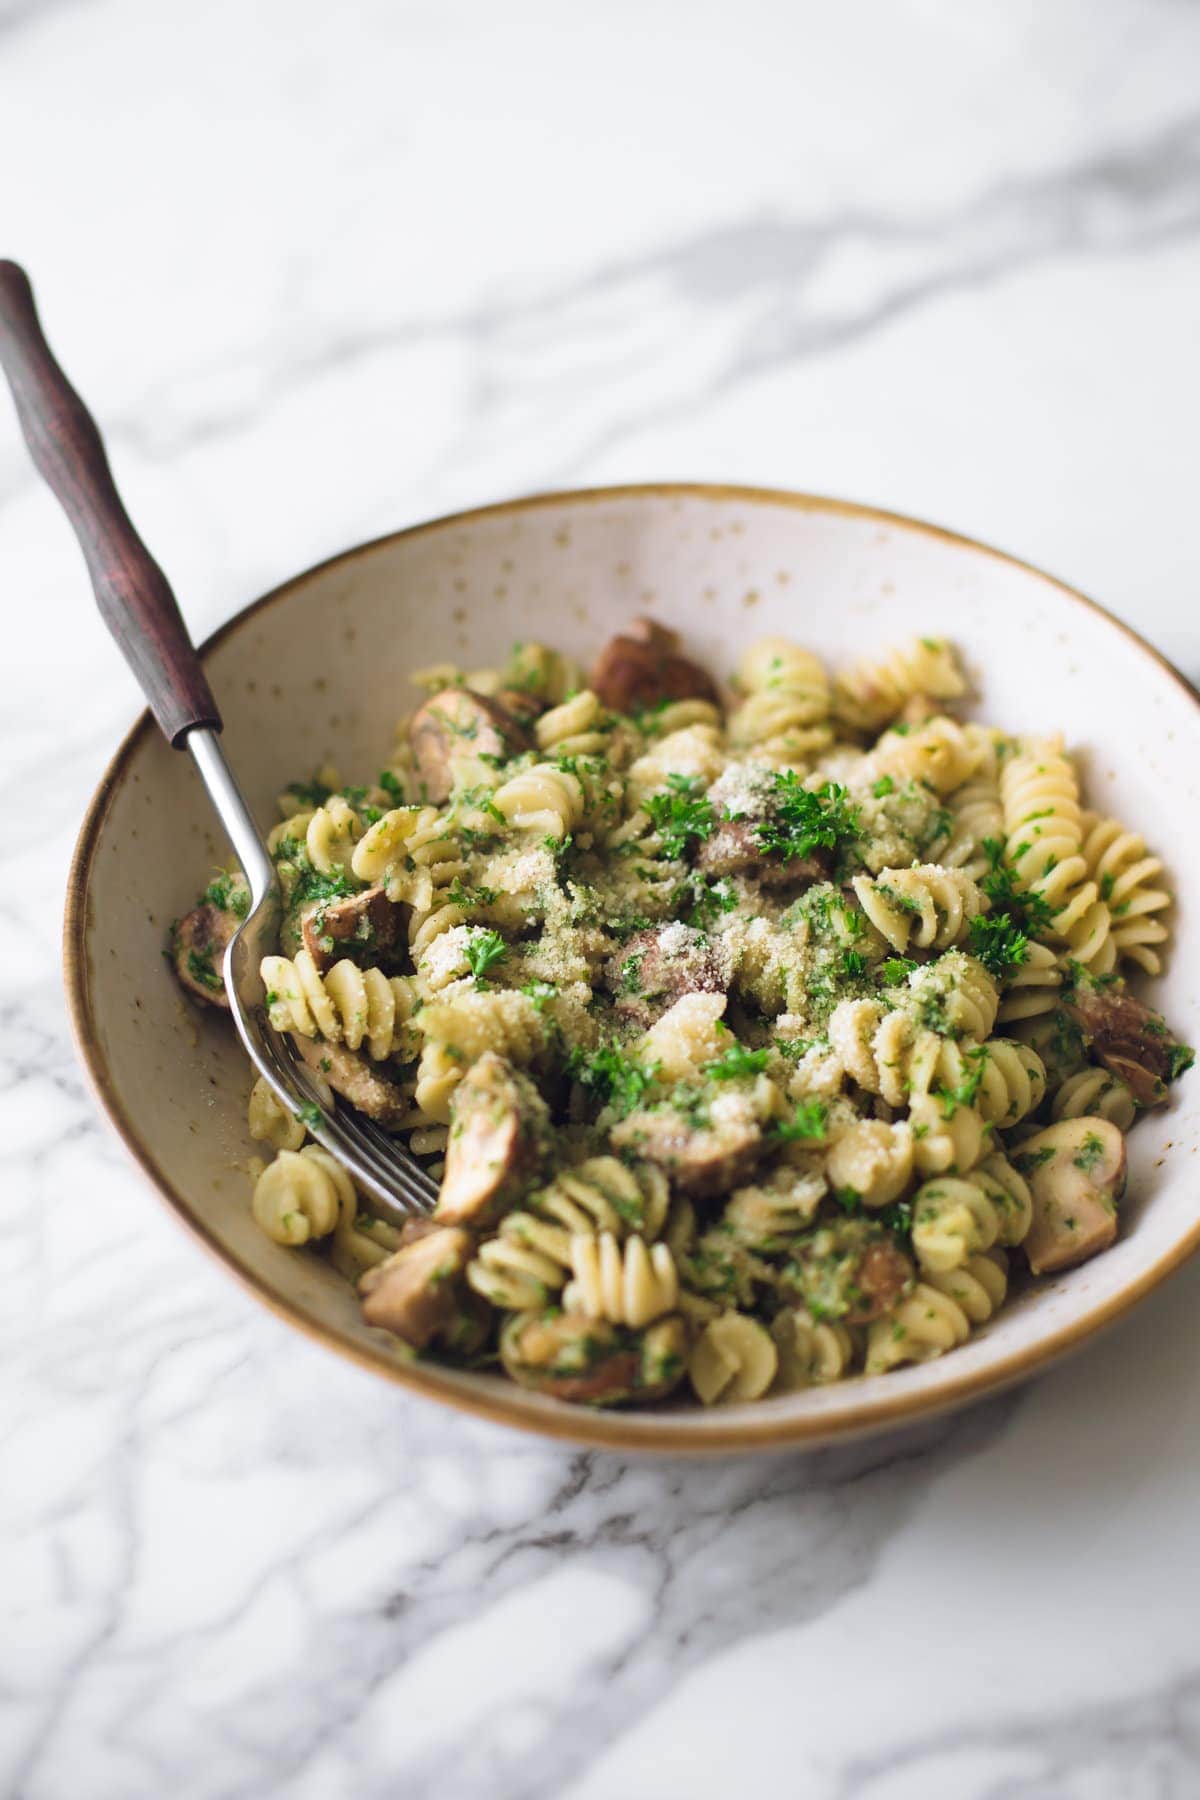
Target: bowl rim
649, 1430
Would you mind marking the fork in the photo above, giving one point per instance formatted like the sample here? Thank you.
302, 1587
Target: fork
143, 615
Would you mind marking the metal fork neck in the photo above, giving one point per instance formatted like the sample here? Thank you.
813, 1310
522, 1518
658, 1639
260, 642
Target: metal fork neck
235, 815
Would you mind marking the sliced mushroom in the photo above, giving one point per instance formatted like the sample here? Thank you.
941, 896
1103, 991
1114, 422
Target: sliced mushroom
520, 705
1076, 1173
593, 1362
499, 1132
367, 921
656, 967
198, 944
415, 1292
849, 1269
734, 849
355, 1079
457, 724
1129, 1039
642, 667
704, 1154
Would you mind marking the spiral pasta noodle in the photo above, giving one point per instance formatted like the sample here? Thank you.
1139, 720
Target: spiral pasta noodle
1033, 987
627, 1284
768, 1215
873, 1161
1005, 1079
269, 1121
524, 1266
940, 754
786, 707
1044, 833
546, 800
577, 727
927, 907
297, 1197
604, 1194
348, 1005
456, 1033
734, 1358
412, 852
695, 752
331, 835
874, 690
1098, 1094
925, 1324
1127, 877
811, 1354
955, 1216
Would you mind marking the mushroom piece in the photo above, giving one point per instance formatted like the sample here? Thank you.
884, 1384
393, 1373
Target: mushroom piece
455, 724
1076, 1174
355, 1079
499, 1133
657, 966
1129, 1038
521, 705
734, 849
415, 1292
851, 1270
642, 667
198, 944
366, 921
703, 1152
590, 1361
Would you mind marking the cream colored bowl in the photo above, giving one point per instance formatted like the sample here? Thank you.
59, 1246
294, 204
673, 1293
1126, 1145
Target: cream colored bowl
318, 670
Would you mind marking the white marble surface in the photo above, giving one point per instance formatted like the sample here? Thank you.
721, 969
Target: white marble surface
323, 270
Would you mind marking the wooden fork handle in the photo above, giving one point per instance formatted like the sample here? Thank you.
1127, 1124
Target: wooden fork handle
131, 590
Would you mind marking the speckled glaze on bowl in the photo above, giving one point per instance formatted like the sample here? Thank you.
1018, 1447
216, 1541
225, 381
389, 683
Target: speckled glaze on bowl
318, 669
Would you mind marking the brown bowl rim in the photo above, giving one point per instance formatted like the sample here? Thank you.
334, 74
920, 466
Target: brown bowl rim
625, 1431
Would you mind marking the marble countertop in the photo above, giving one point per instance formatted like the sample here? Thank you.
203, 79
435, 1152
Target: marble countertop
324, 271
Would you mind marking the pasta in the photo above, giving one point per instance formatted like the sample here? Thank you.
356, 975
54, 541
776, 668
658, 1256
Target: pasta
297, 1197
628, 1284
1126, 877
783, 715
754, 1042
348, 1005
871, 693
925, 906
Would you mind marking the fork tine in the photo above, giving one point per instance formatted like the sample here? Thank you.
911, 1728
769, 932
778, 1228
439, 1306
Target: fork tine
395, 1182
421, 1178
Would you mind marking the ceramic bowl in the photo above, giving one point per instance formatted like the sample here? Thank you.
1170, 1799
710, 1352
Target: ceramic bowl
318, 669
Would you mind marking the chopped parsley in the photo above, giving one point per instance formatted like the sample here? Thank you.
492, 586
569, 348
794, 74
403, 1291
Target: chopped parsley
1091, 1152
1026, 912
709, 899
896, 970
1181, 1058
884, 786
998, 942
200, 969
612, 1077
228, 893
737, 1061
309, 793
391, 786
800, 820
807, 1124
484, 949
310, 1115
683, 815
